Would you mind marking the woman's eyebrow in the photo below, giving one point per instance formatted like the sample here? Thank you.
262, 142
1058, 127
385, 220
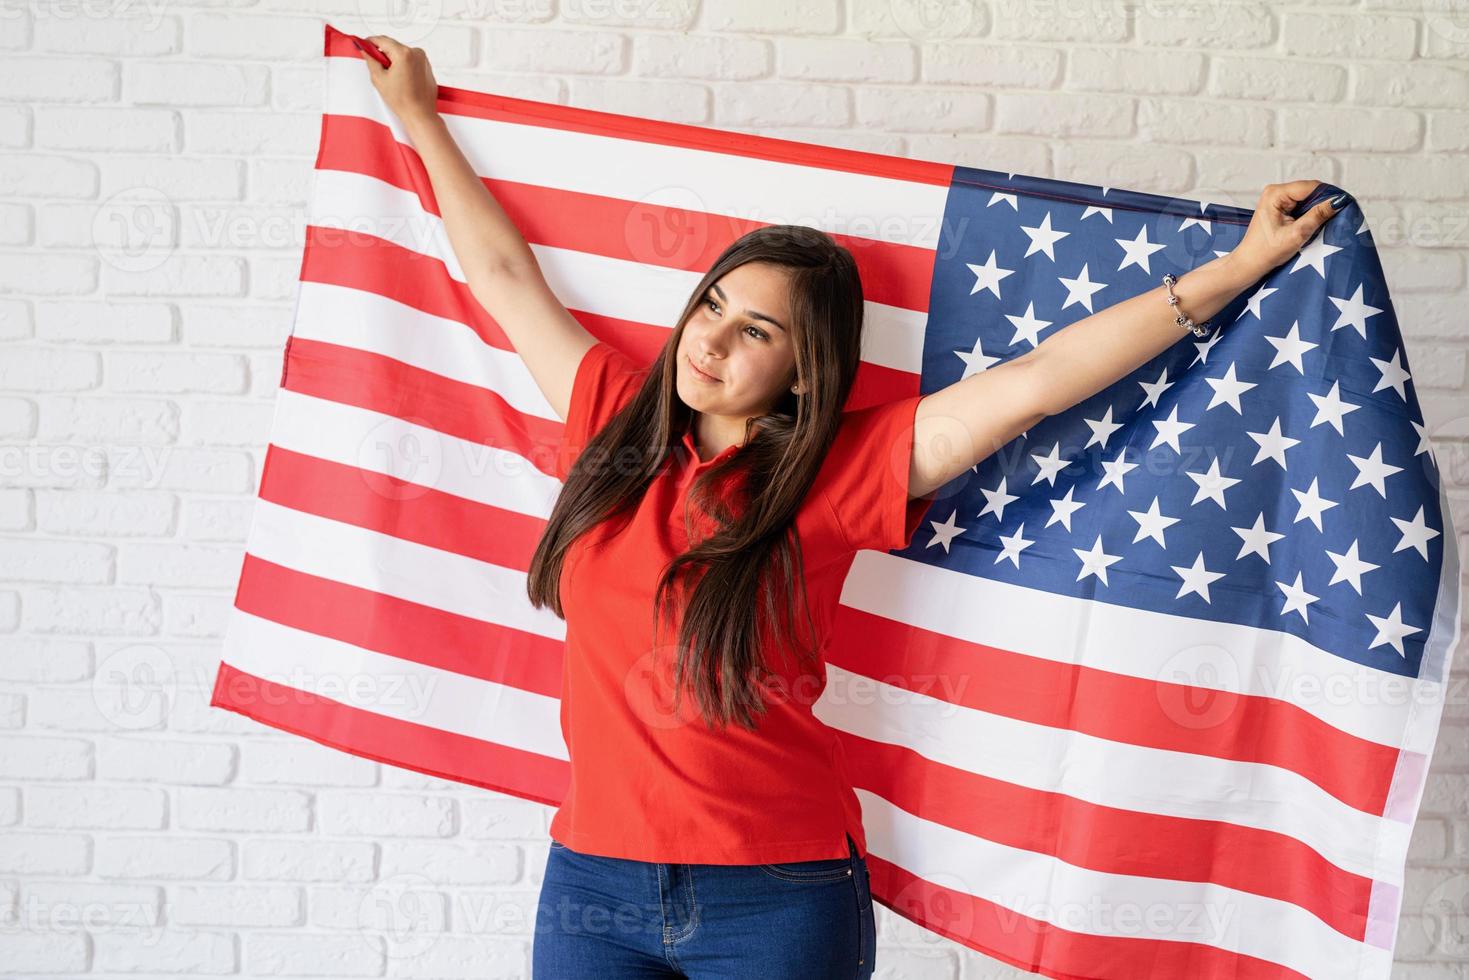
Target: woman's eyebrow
755, 314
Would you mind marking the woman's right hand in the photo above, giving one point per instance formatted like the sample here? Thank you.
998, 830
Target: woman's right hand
407, 85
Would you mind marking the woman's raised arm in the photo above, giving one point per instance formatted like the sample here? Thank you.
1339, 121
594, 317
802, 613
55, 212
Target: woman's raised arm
967, 421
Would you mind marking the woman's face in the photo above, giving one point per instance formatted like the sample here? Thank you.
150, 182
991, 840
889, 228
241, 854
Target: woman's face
739, 335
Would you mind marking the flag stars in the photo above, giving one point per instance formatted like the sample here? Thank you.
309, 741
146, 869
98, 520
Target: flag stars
1415, 534
1081, 289
1227, 390
1155, 390
1138, 249
1314, 256
1391, 629
945, 532
1050, 465
1196, 579
1169, 430
1313, 505
1257, 540
1062, 508
1151, 523
996, 499
1290, 348
1211, 484
1094, 561
1114, 470
1014, 544
1372, 470
1102, 428
1297, 599
975, 360
988, 276
1043, 237
1205, 346
1349, 568
1028, 327
1353, 312
1272, 444
1392, 372
1330, 408
1252, 305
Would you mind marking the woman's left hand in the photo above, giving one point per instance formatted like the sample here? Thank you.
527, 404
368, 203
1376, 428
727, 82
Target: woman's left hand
1273, 235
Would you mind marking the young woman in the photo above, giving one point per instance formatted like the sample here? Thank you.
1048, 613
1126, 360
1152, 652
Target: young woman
722, 490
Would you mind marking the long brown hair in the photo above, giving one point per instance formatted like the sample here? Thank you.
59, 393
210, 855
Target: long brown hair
753, 558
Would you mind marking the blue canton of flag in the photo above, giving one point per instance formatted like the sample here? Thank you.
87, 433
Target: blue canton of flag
1276, 474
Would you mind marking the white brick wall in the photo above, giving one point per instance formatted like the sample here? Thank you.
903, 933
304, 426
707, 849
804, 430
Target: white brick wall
147, 835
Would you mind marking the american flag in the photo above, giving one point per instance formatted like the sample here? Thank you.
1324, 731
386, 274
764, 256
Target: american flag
1154, 688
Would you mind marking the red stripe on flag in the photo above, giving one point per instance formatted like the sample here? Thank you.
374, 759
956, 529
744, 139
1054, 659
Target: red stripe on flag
1154, 713
635, 231
1111, 839
576, 119
437, 753
400, 628
1040, 947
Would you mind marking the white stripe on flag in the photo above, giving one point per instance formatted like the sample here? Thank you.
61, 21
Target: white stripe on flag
1108, 904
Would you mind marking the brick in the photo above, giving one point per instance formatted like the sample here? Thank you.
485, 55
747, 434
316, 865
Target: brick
696, 56
105, 322
238, 809
178, 565
991, 65
403, 904
17, 227
170, 761
607, 13
230, 37
247, 325
33, 660
103, 708
47, 952
15, 319
1061, 20
451, 863
677, 101
165, 858
1135, 72
122, 35
501, 818
1161, 122
385, 815
542, 50
133, 612
1347, 35
289, 860
39, 560
107, 807
38, 757
273, 954
47, 275
49, 369
768, 104
1063, 114
249, 906
184, 83
1263, 79
1214, 26
833, 60
250, 132
1413, 86
45, 854
15, 506
166, 951
75, 905
32, 79
928, 109
107, 514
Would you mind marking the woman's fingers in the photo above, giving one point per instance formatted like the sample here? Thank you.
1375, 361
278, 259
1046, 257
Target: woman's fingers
390, 47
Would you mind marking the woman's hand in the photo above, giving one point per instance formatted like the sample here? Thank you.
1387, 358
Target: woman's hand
1273, 235
407, 85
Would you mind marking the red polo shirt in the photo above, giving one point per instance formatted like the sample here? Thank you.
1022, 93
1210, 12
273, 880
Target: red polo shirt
647, 785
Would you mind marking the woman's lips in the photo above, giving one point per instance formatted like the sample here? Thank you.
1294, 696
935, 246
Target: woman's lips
700, 374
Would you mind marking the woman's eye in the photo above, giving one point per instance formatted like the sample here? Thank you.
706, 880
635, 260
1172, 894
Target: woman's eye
758, 331
713, 306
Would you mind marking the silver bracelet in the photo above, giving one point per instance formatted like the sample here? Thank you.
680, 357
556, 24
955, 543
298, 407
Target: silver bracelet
1199, 329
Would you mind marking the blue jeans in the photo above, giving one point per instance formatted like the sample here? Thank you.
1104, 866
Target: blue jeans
607, 918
